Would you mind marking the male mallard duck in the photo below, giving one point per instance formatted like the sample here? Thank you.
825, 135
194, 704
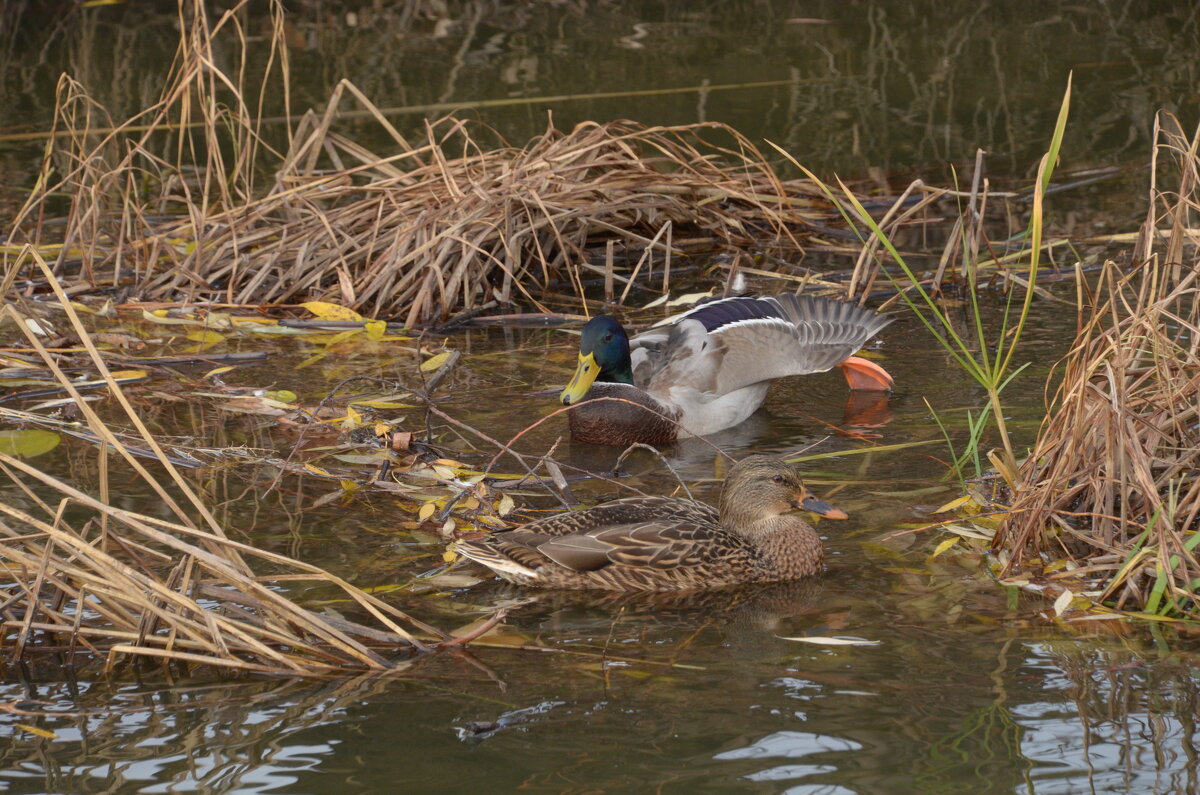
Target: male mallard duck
709, 368
668, 544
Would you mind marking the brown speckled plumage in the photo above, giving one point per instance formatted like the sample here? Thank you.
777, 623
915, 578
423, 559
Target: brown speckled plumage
666, 544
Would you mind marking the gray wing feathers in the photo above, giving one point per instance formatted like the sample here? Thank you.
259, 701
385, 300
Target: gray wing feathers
729, 344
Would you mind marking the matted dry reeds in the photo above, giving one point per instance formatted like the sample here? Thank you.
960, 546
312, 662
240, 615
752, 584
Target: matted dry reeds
170, 205
1113, 483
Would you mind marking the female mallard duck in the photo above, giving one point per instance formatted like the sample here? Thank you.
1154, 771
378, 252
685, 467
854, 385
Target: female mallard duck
709, 368
667, 544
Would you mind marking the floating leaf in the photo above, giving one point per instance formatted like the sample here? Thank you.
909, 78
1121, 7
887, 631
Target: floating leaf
434, 362
950, 506
327, 311
427, 510
316, 470
255, 327
376, 329
205, 336
506, 505
28, 443
689, 298
218, 371
942, 547
282, 395
342, 336
1063, 602
380, 404
119, 375
160, 317
49, 735
316, 357
832, 641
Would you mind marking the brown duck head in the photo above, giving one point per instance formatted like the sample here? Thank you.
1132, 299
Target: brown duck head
761, 487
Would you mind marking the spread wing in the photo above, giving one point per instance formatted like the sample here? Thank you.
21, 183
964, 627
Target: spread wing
731, 343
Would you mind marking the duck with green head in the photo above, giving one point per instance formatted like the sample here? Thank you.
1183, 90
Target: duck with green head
709, 368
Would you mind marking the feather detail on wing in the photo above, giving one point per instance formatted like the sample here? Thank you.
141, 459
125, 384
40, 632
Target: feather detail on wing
732, 343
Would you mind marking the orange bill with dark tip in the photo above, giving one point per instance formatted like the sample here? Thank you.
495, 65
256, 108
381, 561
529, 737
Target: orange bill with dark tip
821, 508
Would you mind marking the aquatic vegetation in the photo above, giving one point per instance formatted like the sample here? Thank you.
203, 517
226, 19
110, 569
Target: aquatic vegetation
1112, 490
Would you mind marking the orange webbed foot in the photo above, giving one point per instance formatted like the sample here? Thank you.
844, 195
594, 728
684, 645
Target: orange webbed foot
866, 375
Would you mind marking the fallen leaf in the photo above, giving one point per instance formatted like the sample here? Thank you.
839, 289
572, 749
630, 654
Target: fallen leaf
28, 443
327, 311
950, 506
1063, 602
942, 547
49, 735
434, 362
837, 641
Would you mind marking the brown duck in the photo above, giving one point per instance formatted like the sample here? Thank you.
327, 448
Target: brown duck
709, 368
668, 544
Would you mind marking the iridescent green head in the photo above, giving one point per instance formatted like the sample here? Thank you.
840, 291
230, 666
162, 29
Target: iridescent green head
603, 356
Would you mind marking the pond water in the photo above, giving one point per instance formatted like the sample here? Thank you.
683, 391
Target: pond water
970, 687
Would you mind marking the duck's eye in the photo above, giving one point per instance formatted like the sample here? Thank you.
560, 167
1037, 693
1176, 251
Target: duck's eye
778, 479
608, 337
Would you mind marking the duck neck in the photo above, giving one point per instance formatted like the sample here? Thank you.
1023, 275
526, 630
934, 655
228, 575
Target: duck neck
620, 372
789, 546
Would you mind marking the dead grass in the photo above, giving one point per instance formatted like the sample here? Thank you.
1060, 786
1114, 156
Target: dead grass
199, 199
81, 574
1112, 483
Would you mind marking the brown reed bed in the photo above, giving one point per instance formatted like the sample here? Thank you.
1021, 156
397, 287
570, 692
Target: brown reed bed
1108, 500
171, 206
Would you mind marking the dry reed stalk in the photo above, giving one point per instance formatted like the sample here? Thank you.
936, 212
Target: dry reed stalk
78, 570
166, 205
1114, 478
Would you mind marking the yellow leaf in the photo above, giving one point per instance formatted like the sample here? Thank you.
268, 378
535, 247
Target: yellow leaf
218, 371
426, 511
349, 486
160, 316
469, 504
506, 505
434, 362
376, 329
1063, 602
282, 395
450, 555
316, 357
49, 735
342, 336
950, 506
381, 404
327, 311
316, 470
28, 442
445, 473
206, 336
942, 547
119, 374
